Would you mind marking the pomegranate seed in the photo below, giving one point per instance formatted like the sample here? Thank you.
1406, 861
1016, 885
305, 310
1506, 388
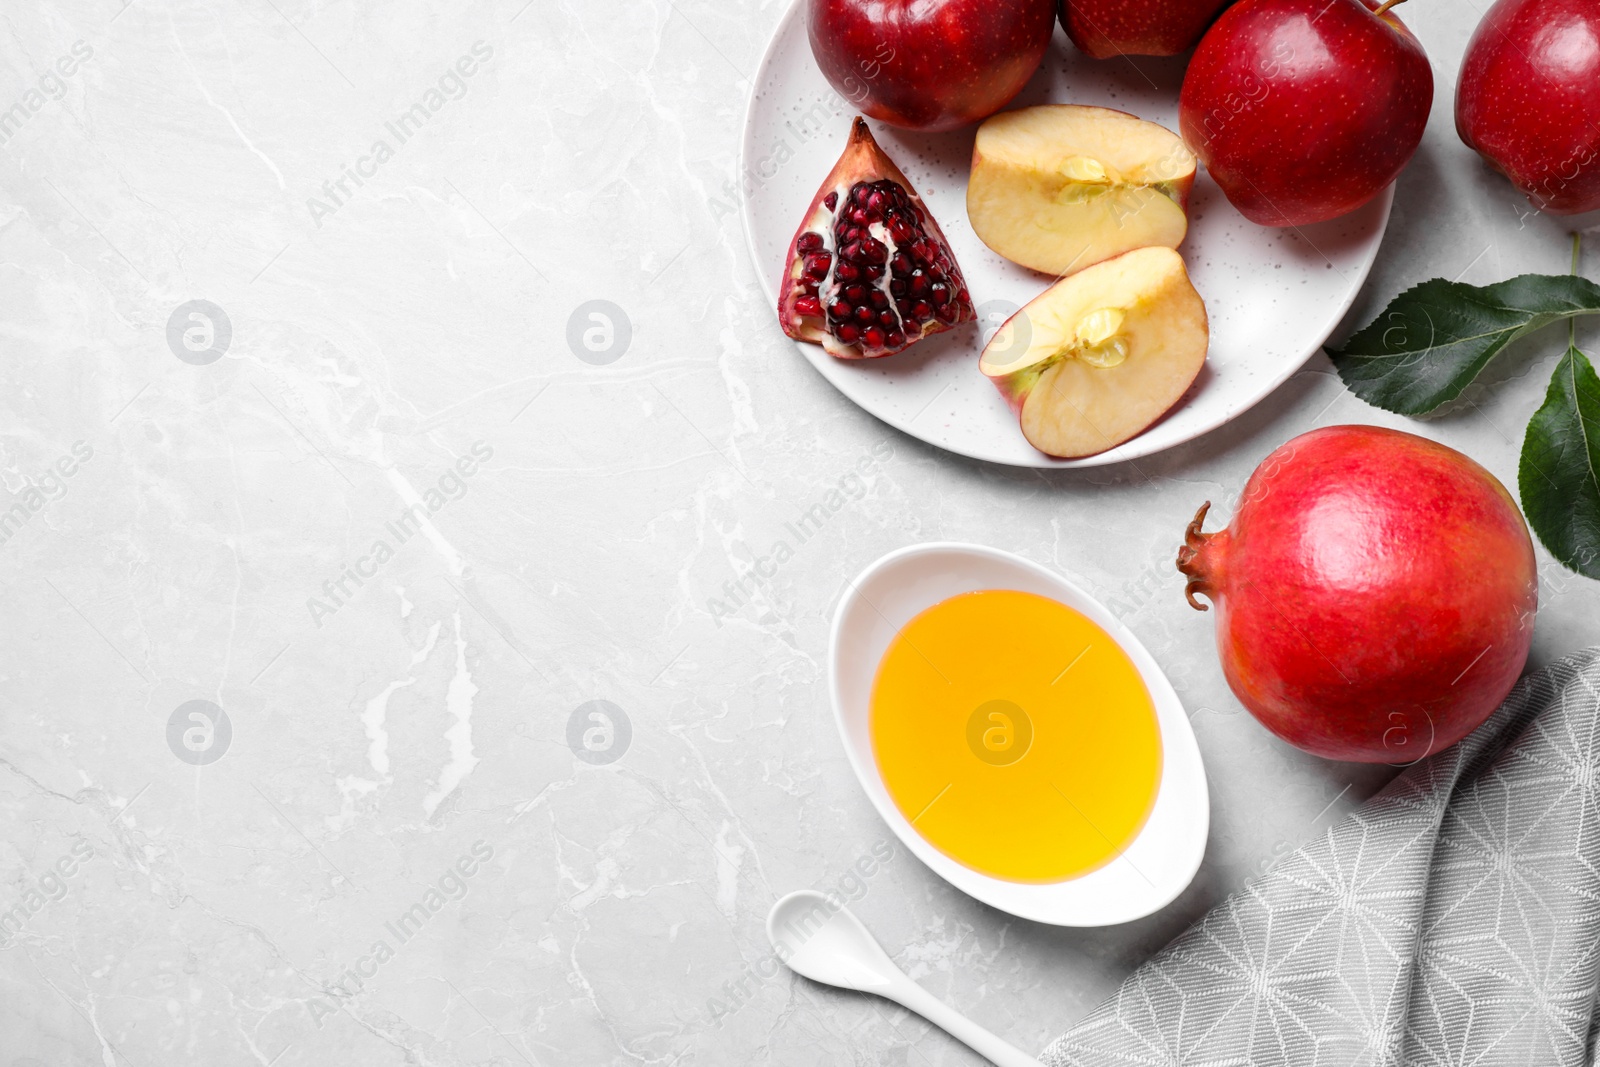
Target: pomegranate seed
873, 337
858, 192
919, 283
900, 230
940, 293
880, 299
872, 271
859, 217
831, 201
963, 297
808, 243
848, 334
851, 251
874, 251
904, 307
865, 315
902, 263
921, 310
817, 265
947, 312
896, 339
847, 273
887, 318
898, 287
856, 294
809, 306
839, 309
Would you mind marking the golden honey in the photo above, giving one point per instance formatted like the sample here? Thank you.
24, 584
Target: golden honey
1016, 736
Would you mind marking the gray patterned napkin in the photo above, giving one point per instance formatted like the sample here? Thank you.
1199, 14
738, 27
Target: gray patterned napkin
1454, 919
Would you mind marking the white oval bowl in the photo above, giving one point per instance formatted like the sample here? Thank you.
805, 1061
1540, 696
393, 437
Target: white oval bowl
1161, 860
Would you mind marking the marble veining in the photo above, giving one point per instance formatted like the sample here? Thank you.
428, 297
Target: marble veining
520, 787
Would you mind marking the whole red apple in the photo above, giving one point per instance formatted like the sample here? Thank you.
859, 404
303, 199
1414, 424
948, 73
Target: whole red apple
1106, 28
1303, 110
929, 64
1529, 99
1375, 594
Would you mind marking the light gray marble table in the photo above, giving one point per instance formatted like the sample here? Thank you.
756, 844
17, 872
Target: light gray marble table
406, 854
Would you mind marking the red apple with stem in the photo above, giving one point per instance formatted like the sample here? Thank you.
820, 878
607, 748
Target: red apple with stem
929, 64
1304, 110
1106, 28
1529, 99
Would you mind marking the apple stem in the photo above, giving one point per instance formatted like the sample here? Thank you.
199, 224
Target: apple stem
1387, 5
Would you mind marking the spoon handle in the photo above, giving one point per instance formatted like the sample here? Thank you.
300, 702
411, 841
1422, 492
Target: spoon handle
913, 997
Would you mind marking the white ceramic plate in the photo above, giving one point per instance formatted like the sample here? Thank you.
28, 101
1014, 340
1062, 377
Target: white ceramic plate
1274, 296
1162, 859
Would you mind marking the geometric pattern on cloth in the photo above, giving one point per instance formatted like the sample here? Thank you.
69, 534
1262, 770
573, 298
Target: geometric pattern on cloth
1453, 920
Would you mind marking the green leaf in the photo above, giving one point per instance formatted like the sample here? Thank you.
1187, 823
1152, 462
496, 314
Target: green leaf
1434, 339
1559, 476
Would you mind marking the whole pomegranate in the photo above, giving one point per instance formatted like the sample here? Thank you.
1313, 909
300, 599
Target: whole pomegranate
1375, 594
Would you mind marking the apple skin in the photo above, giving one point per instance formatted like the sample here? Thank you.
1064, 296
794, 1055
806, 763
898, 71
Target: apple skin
1107, 28
1529, 100
1304, 110
1016, 387
929, 64
1375, 594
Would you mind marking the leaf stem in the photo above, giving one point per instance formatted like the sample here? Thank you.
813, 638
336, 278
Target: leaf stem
1572, 323
1386, 6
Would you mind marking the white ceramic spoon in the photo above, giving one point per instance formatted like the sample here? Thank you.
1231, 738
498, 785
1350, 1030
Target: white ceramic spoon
833, 947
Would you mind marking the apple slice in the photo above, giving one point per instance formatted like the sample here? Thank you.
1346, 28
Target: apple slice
1061, 187
1098, 357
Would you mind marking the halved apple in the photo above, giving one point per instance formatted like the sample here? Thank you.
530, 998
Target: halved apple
1098, 357
1061, 187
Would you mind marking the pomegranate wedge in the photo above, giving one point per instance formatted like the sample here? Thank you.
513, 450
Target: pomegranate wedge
869, 272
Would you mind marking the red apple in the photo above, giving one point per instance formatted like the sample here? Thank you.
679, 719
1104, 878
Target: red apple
929, 64
1304, 110
1529, 99
1106, 28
